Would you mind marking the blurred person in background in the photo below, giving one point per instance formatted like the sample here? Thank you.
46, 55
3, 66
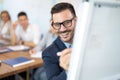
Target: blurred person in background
5, 25
25, 33
49, 37
5, 32
39, 73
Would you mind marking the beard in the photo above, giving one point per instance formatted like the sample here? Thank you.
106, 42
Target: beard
66, 36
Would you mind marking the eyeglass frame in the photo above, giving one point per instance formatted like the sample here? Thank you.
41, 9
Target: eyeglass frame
62, 23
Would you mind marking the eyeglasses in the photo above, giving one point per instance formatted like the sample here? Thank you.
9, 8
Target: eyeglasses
66, 24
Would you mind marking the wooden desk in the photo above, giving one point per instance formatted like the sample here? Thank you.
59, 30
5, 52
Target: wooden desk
6, 70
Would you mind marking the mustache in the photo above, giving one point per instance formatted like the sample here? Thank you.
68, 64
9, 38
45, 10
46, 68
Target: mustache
64, 31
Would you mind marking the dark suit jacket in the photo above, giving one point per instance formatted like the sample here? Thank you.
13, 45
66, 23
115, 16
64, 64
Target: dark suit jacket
51, 61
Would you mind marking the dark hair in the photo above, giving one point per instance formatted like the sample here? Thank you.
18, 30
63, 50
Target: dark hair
62, 6
22, 14
6, 13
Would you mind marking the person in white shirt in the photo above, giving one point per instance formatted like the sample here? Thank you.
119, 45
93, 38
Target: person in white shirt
39, 73
24, 33
5, 25
49, 37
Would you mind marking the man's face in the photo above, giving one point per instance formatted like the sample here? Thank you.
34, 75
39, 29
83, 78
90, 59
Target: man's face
23, 20
65, 33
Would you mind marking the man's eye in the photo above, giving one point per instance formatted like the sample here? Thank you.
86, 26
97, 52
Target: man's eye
56, 24
67, 22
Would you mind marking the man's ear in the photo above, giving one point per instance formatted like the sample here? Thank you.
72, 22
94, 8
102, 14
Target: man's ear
76, 18
51, 21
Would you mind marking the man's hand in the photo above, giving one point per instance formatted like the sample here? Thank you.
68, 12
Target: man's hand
65, 59
19, 42
14, 25
32, 51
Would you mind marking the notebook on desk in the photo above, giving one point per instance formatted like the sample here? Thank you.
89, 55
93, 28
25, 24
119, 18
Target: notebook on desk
4, 50
37, 55
15, 62
18, 47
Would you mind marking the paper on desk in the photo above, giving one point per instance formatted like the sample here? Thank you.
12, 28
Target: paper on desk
18, 47
3, 49
37, 54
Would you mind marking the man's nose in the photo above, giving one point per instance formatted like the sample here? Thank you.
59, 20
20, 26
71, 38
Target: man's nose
62, 28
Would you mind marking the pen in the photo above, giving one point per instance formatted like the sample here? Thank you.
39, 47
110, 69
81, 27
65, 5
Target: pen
59, 53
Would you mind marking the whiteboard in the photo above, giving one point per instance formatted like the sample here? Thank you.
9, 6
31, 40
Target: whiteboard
96, 46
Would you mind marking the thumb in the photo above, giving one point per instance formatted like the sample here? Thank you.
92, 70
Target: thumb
66, 51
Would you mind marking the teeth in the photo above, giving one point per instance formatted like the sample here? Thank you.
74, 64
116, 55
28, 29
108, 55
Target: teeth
64, 34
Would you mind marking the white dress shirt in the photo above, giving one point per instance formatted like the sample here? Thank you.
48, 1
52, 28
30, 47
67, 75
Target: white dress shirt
46, 41
5, 29
32, 34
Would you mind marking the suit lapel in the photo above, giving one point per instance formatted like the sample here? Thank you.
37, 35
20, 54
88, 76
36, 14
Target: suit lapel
60, 45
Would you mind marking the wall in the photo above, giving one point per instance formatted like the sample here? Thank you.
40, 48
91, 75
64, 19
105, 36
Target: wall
38, 10
1, 4
75, 3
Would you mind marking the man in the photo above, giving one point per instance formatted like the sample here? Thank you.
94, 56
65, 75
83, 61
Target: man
25, 33
56, 56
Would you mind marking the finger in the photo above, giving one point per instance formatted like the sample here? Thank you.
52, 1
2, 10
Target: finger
32, 51
66, 51
64, 61
15, 24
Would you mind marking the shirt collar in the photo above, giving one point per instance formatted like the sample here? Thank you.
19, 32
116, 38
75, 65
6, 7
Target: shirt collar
68, 45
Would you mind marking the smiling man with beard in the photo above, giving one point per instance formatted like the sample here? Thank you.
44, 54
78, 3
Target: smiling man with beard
63, 20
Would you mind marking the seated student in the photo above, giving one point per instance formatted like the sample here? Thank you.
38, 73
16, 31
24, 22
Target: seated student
5, 32
5, 25
45, 42
39, 73
25, 33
